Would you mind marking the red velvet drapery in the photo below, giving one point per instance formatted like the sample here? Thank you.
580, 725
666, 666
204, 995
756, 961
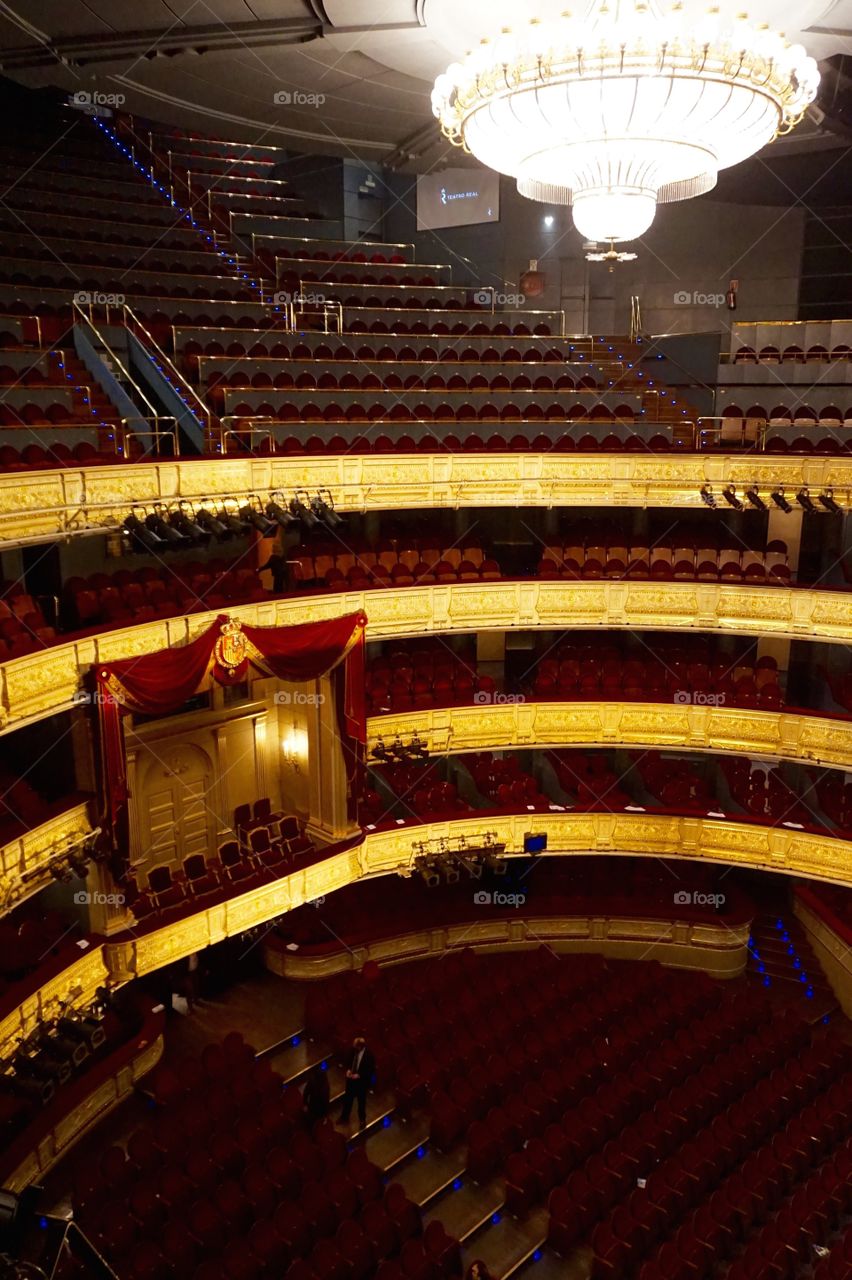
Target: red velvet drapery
158, 683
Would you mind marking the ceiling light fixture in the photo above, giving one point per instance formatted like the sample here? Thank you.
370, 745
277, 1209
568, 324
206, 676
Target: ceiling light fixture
634, 104
612, 255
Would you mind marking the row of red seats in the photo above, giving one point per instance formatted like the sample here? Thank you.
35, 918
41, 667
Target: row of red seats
585, 672
774, 355
707, 1127
764, 793
659, 569
359, 568
300, 352
142, 594
394, 411
218, 383
227, 1182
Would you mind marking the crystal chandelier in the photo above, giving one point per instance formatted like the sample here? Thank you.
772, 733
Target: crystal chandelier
634, 104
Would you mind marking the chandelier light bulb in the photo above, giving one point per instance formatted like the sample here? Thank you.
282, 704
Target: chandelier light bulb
628, 107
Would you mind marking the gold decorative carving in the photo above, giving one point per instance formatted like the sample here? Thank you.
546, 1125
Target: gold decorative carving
97, 497
29, 854
44, 683
717, 949
812, 739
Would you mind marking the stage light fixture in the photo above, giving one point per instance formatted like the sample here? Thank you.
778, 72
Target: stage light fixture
276, 511
826, 499
729, 493
253, 514
141, 537
158, 524
210, 523
780, 501
323, 508
302, 510
230, 517
183, 519
805, 501
707, 497
755, 498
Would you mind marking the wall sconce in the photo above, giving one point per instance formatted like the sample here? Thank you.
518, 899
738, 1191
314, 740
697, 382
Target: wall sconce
294, 746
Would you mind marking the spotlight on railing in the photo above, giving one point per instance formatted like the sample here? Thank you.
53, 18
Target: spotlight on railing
183, 519
826, 499
729, 493
141, 537
158, 524
446, 857
210, 522
252, 513
707, 496
805, 501
780, 501
301, 508
755, 498
323, 508
279, 512
399, 752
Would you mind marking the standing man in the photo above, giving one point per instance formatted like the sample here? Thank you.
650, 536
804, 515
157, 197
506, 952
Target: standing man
360, 1069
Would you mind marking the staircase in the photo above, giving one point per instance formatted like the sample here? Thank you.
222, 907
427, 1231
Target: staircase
781, 959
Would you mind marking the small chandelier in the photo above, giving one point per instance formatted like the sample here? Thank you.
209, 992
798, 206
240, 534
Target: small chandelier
610, 255
635, 104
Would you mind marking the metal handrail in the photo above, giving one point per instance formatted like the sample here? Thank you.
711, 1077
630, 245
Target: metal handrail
88, 320
334, 309
333, 240
345, 263
156, 432
708, 430
136, 323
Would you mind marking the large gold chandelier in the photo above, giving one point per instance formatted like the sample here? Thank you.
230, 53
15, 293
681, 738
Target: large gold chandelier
633, 104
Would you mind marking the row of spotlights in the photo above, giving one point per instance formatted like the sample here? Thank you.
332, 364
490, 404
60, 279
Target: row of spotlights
752, 497
177, 526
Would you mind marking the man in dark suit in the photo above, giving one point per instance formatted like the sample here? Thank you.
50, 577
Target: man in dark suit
360, 1066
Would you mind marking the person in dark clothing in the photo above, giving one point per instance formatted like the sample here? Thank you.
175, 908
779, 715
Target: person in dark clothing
316, 1096
478, 1271
360, 1066
277, 565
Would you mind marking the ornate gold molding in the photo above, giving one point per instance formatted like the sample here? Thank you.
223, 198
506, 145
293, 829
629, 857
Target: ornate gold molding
24, 861
75, 985
716, 949
44, 683
739, 730
794, 852
105, 1098
45, 503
